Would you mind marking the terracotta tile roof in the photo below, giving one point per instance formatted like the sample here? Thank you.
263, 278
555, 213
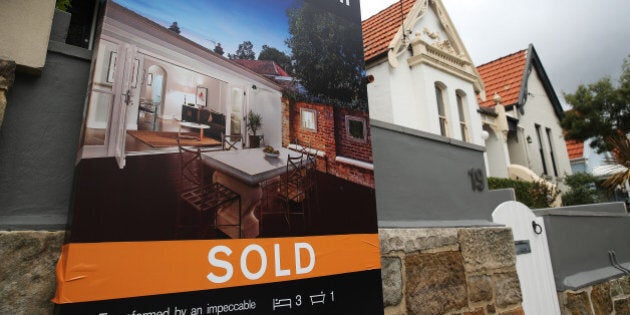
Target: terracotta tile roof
503, 76
575, 149
264, 67
380, 29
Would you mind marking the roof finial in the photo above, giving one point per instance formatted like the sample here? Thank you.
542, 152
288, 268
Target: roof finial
496, 98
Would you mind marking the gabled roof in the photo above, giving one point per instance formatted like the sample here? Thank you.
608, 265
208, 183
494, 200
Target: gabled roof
264, 67
390, 33
380, 29
575, 149
508, 77
503, 76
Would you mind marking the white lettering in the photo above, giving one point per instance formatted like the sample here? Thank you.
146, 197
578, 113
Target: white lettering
299, 269
263, 266
279, 272
212, 259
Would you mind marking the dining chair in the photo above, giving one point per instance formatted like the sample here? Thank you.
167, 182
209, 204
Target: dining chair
310, 174
310, 165
291, 191
199, 193
229, 142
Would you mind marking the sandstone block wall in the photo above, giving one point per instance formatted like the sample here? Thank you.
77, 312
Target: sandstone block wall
609, 297
27, 271
463, 271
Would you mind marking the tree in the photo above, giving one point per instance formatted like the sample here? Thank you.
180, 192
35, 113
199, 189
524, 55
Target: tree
273, 54
327, 54
244, 51
218, 49
582, 190
600, 111
174, 28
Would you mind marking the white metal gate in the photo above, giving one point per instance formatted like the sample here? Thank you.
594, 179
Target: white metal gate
534, 267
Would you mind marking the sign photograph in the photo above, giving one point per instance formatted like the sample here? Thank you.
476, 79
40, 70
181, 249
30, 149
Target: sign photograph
218, 171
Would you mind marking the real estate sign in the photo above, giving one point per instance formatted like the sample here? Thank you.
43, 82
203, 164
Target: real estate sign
225, 163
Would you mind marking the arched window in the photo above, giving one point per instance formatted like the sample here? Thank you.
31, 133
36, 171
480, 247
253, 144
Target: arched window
439, 95
461, 110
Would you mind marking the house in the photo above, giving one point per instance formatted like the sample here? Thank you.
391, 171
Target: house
268, 68
522, 118
584, 158
424, 78
426, 129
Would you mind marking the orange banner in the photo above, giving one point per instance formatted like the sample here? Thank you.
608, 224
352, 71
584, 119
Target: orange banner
103, 271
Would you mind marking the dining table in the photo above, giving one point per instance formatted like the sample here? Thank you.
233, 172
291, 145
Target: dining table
243, 171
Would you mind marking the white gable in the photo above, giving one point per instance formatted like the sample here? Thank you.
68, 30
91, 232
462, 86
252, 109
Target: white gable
426, 53
430, 30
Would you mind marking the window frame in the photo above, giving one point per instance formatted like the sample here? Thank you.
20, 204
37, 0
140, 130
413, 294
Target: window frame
363, 121
440, 91
303, 125
541, 149
463, 124
553, 158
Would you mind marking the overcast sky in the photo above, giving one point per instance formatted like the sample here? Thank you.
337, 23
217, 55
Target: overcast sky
578, 41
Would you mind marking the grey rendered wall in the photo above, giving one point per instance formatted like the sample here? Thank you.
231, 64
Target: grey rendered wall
39, 139
422, 179
579, 239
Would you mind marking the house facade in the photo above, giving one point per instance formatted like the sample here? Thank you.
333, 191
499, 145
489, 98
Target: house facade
583, 158
424, 78
427, 136
522, 118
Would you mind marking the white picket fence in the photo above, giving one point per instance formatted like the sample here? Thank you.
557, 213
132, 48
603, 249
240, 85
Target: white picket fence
534, 269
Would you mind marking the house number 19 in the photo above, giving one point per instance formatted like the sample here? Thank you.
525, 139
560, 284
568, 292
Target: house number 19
476, 179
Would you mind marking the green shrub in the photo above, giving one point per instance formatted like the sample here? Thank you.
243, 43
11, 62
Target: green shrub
583, 190
63, 5
532, 194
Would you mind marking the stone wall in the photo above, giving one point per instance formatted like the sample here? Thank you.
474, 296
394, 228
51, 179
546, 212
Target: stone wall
7, 76
608, 297
463, 271
27, 271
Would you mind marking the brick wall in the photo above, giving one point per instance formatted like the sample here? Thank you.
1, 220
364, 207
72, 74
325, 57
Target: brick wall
330, 138
286, 122
352, 173
346, 145
323, 138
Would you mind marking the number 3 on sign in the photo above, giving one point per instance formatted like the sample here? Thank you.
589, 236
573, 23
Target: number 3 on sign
298, 300
476, 179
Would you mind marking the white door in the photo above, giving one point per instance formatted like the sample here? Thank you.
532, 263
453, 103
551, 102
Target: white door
123, 99
237, 115
534, 269
105, 127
